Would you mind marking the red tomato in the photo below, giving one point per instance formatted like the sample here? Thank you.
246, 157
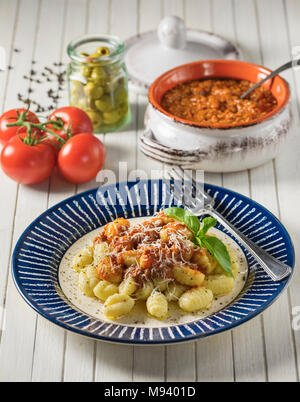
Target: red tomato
74, 118
81, 158
27, 164
6, 133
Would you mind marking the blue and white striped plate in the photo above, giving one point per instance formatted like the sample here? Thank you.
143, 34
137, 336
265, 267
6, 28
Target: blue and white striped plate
41, 247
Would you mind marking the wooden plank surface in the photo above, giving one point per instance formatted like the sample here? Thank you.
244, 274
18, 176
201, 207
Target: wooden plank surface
266, 348
248, 342
288, 169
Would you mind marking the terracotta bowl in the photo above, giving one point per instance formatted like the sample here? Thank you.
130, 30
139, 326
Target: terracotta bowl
219, 148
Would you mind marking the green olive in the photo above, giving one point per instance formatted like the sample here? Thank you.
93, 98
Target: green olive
93, 91
121, 81
99, 52
102, 51
85, 71
111, 117
120, 95
105, 83
76, 87
96, 117
84, 54
82, 103
73, 99
98, 75
92, 105
124, 108
108, 89
104, 104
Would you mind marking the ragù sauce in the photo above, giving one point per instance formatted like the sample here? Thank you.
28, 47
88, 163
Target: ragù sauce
68, 280
217, 102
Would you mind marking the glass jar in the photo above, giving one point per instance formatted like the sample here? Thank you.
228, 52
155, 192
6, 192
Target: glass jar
98, 81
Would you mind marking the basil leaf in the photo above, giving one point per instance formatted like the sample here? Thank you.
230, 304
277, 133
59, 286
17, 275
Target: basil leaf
218, 249
191, 221
198, 241
213, 244
175, 212
208, 223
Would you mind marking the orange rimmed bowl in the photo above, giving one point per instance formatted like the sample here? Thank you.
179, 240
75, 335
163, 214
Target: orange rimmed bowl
215, 147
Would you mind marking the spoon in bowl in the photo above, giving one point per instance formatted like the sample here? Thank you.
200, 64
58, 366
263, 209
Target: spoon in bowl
286, 66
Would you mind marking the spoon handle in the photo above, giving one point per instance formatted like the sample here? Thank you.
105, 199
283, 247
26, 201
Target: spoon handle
284, 67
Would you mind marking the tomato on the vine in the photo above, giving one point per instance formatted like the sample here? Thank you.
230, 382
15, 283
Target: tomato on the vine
81, 158
74, 119
11, 116
27, 164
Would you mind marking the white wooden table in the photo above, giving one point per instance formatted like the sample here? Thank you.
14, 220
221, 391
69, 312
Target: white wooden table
32, 349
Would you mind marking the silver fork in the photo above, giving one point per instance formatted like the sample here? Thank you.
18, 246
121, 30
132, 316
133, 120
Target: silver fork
276, 269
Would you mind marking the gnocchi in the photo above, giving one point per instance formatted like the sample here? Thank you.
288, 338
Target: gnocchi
156, 263
188, 276
107, 272
118, 305
161, 283
144, 291
128, 286
174, 291
84, 284
157, 305
220, 285
92, 276
104, 289
100, 251
196, 299
83, 258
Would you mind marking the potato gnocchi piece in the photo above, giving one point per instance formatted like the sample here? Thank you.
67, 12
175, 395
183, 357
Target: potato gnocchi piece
84, 284
200, 258
174, 228
220, 285
130, 257
100, 251
157, 305
196, 299
205, 260
128, 286
118, 305
115, 228
187, 250
82, 259
188, 276
109, 273
145, 291
104, 289
161, 284
174, 291
92, 275
162, 219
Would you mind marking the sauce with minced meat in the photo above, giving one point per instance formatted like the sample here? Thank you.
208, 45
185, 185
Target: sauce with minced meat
217, 101
155, 258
